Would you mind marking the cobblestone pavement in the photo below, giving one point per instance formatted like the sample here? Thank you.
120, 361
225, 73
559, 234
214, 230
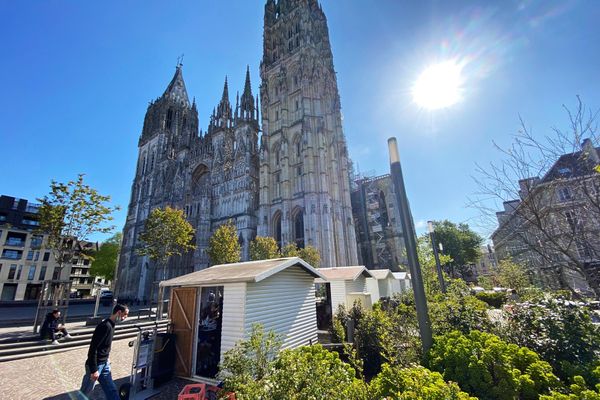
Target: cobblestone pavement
58, 376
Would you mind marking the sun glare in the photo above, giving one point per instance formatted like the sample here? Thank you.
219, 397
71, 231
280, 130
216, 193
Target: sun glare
439, 86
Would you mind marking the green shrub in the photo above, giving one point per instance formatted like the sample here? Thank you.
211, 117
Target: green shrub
311, 372
579, 391
458, 312
493, 299
489, 368
560, 332
416, 383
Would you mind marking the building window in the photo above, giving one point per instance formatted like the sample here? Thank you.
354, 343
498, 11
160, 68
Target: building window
564, 194
277, 115
277, 185
169, 120
56, 274
12, 271
43, 273
47, 256
571, 219
19, 270
37, 256
299, 229
277, 157
30, 255
12, 254
277, 229
31, 274
36, 241
583, 251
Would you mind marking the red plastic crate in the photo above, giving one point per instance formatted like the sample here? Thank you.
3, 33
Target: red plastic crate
199, 391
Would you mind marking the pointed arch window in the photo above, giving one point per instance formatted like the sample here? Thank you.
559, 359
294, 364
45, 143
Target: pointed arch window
169, 119
277, 229
299, 228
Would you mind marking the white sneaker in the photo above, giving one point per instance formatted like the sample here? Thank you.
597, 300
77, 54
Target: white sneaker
55, 342
68, 337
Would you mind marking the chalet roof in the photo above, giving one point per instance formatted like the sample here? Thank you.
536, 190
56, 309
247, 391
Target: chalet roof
250, 271
343, 273
401, 275
381, 274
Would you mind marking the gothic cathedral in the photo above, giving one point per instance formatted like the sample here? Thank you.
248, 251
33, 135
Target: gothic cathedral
295, 187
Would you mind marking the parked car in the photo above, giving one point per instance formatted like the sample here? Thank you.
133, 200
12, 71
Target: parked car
106, 297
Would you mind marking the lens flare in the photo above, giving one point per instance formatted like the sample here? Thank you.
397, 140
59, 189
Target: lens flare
439, 86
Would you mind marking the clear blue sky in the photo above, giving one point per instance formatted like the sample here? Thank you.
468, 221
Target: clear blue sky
76, 78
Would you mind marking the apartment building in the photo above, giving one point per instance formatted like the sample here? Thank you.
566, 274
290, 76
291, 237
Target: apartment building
25, 259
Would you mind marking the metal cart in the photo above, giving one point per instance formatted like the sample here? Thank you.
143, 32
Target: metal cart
141, 383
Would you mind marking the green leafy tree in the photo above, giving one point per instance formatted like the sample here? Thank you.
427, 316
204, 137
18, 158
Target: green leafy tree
428, 267
69, 214
460, 242
105, 259
166, 233
489, 368
224, 247
559, 332
290, 250
511, 275
310, 254
263, 248
416, 383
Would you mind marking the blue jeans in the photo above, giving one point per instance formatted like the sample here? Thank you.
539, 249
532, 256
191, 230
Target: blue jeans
105, 380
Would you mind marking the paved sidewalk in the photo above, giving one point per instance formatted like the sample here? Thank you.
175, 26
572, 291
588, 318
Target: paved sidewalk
54, 377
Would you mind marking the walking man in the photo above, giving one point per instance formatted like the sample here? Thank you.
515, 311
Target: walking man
97, 365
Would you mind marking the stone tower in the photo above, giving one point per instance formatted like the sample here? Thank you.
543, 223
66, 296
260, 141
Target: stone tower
213, 177
304, 177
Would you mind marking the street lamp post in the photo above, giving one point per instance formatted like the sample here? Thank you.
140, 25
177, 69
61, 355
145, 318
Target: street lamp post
436, 255
410, 241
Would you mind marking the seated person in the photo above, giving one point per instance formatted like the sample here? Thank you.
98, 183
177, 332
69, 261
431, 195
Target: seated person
51, 329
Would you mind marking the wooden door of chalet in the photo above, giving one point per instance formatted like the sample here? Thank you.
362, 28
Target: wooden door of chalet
183, 320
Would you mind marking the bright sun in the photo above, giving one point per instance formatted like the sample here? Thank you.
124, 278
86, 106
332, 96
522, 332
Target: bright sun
439, 86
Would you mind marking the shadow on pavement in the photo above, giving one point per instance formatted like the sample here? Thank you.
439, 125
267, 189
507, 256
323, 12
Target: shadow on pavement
169, 391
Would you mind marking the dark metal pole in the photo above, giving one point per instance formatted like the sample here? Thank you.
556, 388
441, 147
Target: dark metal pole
410, 241
436, 255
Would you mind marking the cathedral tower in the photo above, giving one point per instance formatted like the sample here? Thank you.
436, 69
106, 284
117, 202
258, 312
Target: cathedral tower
304, 178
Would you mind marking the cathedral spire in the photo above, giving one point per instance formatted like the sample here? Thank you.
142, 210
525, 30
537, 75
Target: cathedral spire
224, 108
247, 105
176, 90
225, 97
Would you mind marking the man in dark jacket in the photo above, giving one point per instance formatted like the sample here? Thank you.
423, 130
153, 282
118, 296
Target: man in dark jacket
51, 328
97, 365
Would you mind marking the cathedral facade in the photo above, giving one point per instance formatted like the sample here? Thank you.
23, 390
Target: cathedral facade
294, 187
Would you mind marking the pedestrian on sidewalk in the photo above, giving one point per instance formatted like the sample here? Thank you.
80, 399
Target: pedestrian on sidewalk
97, 365
52, 329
